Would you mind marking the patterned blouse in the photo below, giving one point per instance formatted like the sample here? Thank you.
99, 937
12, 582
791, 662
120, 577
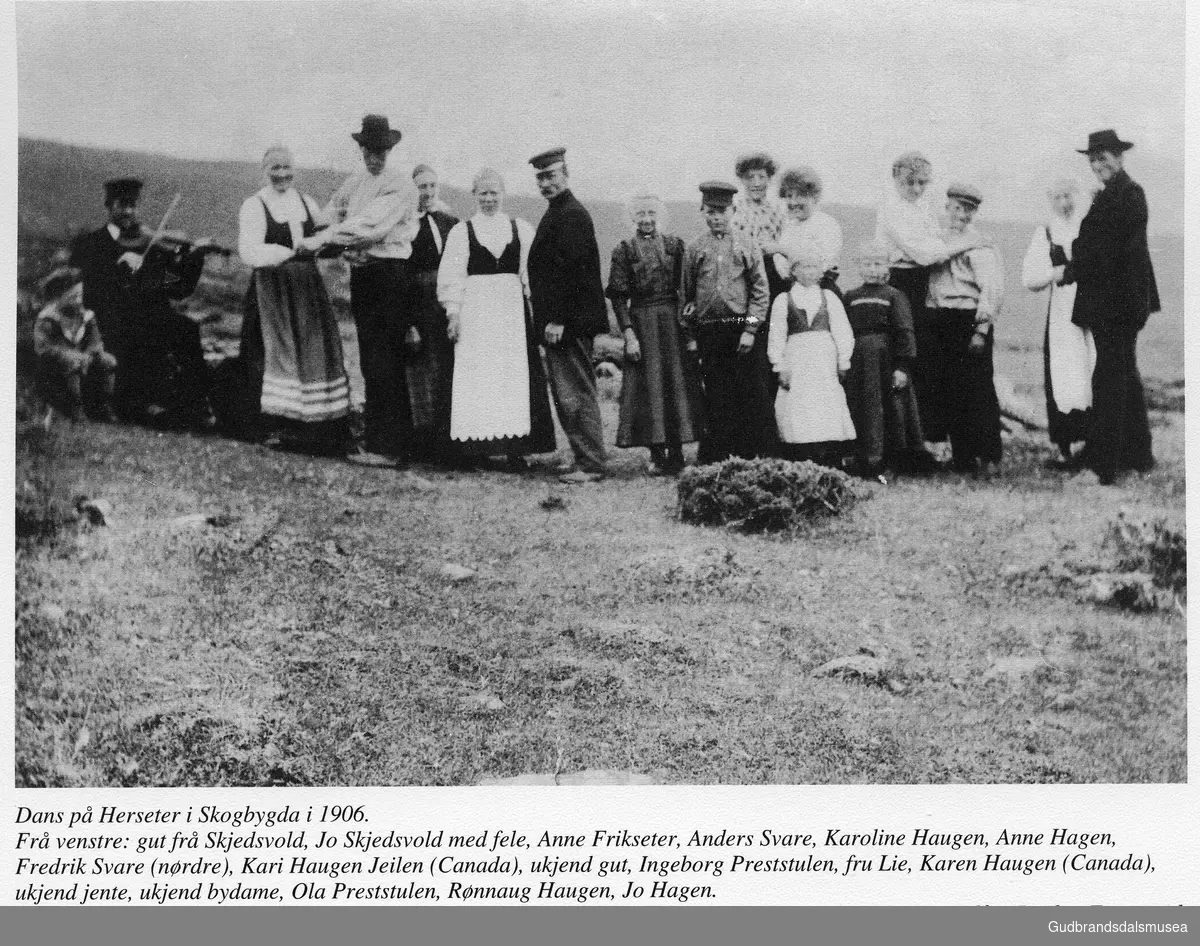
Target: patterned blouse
758, 223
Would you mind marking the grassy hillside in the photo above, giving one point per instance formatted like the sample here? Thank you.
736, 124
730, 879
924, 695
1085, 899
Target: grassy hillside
60, 187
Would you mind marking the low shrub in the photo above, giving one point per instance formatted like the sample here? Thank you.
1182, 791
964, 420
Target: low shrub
1153, 547
763, 495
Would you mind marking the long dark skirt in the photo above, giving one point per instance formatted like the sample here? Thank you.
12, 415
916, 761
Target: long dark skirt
429, 372
888, 422
1119, 435
660, 395
738, 413
962, 382
913, 281
1064, 429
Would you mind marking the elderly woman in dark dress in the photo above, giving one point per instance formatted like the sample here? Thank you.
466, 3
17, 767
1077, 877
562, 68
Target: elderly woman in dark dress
290, 334
659, 399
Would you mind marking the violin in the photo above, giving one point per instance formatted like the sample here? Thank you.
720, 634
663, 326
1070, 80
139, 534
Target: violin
172, 241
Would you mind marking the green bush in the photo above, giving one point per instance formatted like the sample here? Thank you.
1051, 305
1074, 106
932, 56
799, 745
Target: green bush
763, 495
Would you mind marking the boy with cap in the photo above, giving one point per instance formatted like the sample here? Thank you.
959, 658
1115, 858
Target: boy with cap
569, 311
879, 387
724, 291
70, 351
962, 302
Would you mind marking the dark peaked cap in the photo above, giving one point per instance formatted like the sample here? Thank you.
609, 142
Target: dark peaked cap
717, 193
544, 160
122, 188
965, 194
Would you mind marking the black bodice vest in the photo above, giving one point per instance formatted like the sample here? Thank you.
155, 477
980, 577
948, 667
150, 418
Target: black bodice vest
278, 231
481, 262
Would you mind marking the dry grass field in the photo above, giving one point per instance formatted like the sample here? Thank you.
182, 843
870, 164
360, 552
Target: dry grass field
255, 618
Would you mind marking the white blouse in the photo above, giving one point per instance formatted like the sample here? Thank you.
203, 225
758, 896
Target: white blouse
1036, 271
820, 232
808, 298
494, 233
911, 230
288, 208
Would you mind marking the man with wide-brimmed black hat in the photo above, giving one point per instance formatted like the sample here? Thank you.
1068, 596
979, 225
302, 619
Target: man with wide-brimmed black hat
1116, 292
569, 311
161, 376
374, 217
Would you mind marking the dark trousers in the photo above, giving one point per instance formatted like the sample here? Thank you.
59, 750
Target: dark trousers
379, 294
737, 401
1119, 435
913, 281
160, 361
573, 384
962, 386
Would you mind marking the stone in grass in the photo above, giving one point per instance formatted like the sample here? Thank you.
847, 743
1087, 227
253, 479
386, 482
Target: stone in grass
865, 667
586, 777
457, 573
95, 512
483, 703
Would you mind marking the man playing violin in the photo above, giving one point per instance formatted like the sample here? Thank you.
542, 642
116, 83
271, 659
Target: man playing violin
130, 285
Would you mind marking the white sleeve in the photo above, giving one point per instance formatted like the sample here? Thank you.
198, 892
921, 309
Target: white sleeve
839, 328
252, 234
1036, 271
452, 271
526, 234
320, 218
832, 241
777, 339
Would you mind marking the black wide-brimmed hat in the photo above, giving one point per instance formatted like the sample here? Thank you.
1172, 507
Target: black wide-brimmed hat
122, 188
1106, 140
376, 133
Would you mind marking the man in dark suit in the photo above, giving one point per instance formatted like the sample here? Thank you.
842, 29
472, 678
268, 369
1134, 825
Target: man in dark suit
161, 376
1116, 292
569, 311
429, 353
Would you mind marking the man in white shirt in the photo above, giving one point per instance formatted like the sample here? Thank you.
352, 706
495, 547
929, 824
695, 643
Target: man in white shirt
374, 217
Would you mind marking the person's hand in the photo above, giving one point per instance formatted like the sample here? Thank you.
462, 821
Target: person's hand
746, 343
899, 379
689, 310
554, 334
199, 246
412, 339
978, 343
452, 326
131, 261
1060, 273
633, 349
692, 345
785, 378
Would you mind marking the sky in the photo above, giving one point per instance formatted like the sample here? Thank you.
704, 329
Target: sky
644, 94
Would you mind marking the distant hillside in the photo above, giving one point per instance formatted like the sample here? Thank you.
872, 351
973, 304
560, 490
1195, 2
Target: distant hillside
59, 191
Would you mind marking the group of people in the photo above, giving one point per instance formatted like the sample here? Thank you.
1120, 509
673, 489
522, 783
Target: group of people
741, 339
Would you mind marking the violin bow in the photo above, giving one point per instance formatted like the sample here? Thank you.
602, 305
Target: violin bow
162, 225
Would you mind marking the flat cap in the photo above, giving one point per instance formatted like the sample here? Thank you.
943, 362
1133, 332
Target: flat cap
718, 193
547, 159
122, 188
965, 194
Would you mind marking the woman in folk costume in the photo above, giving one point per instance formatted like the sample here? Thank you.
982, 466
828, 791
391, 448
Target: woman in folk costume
659, 395
810, 347
290, 328
1069, 354
498, 402
910, 227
